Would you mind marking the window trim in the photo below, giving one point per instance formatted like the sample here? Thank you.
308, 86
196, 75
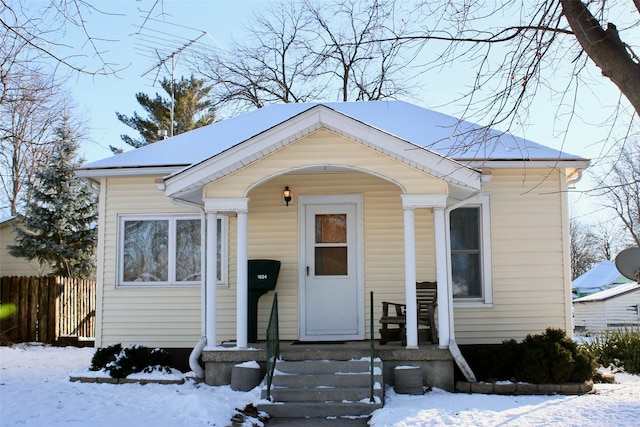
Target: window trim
223, 281
172, 218
486, 300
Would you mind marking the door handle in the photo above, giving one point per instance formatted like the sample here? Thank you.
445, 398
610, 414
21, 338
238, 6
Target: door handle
307, 270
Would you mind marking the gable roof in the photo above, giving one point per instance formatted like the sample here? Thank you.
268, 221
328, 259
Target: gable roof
602, 276
186, 183
437, 132
610, 293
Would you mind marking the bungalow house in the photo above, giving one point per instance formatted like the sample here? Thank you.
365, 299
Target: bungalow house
380, 195
612, 308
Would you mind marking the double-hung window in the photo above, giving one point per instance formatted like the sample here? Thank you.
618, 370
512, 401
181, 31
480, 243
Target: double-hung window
163, 250
471, 253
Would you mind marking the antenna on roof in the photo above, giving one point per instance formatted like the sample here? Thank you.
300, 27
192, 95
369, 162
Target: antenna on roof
164, 47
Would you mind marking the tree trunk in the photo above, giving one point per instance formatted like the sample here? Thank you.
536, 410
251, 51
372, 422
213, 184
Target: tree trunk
605, 49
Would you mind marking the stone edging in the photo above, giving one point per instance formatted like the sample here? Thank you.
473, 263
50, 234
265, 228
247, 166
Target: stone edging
524, 388
108, 380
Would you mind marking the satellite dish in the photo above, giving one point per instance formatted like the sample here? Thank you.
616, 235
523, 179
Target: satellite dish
628, 263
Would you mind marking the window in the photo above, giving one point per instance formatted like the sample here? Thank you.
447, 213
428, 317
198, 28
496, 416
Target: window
471, 253
164, 250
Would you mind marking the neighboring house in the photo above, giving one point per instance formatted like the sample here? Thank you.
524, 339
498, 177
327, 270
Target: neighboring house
10, 265
602, 276
384, 194
613, 308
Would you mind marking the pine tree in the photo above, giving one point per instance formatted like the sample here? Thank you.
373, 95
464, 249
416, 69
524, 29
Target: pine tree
58, 227
191, 110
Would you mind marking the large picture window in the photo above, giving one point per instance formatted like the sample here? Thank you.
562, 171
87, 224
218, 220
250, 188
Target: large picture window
470, 253
164, 250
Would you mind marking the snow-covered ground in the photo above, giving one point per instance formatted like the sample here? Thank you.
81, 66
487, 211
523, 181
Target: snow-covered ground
35, 391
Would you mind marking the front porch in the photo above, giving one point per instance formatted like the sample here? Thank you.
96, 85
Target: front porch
435, 363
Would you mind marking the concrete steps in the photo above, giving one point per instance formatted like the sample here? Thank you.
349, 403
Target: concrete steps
323, 388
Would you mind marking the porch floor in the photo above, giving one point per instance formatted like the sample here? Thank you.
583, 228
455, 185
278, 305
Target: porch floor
436, 363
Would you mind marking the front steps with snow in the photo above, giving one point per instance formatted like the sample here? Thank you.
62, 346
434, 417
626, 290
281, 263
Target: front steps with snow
322, 388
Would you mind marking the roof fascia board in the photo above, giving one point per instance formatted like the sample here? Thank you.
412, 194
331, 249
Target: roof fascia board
529, 164
317, 117
137, 171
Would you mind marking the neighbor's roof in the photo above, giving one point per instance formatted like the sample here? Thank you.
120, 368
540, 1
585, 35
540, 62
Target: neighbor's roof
603, 275
609, 293
446, 135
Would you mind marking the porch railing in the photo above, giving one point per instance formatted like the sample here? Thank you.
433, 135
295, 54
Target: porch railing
273, 344
372, 356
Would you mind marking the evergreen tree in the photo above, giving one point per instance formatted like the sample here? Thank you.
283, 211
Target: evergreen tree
191, 110
58, 227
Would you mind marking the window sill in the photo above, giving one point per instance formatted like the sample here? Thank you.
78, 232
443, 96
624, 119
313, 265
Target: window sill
472, 304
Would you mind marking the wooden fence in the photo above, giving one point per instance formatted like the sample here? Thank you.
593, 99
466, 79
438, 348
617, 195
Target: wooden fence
47, 308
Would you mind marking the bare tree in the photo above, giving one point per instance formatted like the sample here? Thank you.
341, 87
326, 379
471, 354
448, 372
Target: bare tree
29, 115
620, 185
584, 248
517, 52
39, 29
305, 51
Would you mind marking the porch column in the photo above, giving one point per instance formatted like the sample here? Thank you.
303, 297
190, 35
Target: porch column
241, 278
240, 206
442, 274
211, 282
410, 276
437, 202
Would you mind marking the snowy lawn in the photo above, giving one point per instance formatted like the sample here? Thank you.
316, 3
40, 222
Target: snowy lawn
35, 391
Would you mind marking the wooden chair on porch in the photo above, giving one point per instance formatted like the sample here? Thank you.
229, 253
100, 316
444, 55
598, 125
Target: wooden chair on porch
394, 318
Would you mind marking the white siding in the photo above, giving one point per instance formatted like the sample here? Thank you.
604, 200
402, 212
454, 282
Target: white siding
613, 312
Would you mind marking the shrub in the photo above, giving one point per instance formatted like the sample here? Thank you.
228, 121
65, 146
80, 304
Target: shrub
550, 357
121, 362
103, 356
619, 348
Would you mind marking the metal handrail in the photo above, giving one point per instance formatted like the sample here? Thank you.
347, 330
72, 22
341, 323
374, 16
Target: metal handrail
372, 342
273, 344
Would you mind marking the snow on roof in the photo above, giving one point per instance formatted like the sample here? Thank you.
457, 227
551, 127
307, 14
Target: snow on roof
603, 275
439, 132
609, 293
6, 219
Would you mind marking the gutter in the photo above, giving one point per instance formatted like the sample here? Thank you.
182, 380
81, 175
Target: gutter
453, 345
194, 356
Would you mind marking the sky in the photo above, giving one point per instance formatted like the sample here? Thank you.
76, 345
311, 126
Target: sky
216, 22
35, 391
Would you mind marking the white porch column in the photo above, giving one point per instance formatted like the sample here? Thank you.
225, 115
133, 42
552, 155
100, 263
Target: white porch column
410, 276
442, 275
437, 202
241, 207
241, 278
212, 278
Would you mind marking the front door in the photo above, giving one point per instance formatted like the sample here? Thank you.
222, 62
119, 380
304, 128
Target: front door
331, 292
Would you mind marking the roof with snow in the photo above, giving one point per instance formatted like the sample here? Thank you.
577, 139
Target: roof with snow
443, 134
610, 293
602, 276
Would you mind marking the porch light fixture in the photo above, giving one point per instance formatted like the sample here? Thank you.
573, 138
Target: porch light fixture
287, 195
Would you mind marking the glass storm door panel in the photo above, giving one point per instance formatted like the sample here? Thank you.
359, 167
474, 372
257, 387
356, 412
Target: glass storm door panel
331, 286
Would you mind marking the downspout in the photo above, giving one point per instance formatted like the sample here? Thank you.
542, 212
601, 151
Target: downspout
453, 345
194, 356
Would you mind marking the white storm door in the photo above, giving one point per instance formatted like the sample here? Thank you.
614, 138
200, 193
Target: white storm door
331, 293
